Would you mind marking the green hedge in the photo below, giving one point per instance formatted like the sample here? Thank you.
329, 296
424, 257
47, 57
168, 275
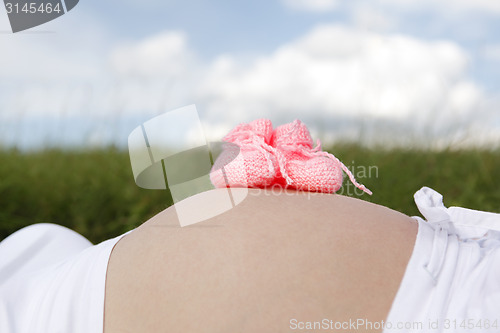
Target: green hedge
93, 191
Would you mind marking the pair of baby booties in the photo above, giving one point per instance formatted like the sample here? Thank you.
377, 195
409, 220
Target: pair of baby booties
261, 157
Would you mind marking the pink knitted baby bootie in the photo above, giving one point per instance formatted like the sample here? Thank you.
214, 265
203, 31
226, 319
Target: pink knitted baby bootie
249, 161
306, 168
257, 156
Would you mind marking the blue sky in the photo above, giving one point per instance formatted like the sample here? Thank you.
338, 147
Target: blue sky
412, 70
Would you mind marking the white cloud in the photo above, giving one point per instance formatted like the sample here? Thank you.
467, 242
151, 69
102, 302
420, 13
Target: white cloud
157, 73
491, 52
370, 18
331, 74
312, 5
343, 72
28, 58
69, 48
446, 5
482, 5
42, 69
165, 54
148, 76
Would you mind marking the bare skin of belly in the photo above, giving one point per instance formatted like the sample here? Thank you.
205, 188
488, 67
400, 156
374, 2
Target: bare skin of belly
271, 264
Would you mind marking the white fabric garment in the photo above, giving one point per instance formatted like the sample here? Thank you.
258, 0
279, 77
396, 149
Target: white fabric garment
452, 281
52, 280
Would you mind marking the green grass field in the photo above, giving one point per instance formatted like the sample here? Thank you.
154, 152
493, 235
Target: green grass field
93, 192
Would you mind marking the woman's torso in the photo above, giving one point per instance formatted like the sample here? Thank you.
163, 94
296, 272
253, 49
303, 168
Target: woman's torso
274, 263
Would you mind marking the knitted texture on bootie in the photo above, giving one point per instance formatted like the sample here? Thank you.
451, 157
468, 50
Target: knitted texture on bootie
261, 157
300, 164
249, 162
